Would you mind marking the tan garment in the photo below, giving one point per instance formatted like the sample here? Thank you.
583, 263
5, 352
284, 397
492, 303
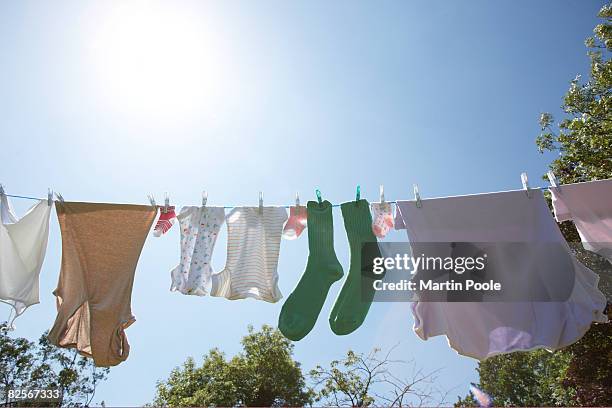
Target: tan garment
101, 244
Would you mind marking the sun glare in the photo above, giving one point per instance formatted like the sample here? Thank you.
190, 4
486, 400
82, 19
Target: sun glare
154, 59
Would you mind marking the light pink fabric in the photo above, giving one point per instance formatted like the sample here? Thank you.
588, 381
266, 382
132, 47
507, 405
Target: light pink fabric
589, 206
296, 223
481, 330
382, 219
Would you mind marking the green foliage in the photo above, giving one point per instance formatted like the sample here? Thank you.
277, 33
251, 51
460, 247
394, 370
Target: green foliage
583, 138
523, 379
263, 374
345, 382
580, 374
25, 364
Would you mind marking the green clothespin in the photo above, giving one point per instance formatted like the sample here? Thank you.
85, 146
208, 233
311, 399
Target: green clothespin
358, 195
318, 192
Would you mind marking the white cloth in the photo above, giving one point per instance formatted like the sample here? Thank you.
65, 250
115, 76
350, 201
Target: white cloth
589, 206
252, 254
23, 243
484, 329
200, 227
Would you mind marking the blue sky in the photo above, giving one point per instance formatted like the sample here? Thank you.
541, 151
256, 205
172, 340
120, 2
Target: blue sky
109, 101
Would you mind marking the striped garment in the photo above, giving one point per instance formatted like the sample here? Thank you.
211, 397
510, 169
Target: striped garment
253, 245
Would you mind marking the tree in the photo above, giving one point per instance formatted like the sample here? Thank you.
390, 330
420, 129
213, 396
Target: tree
523, 379
580, 374
263, 374
41, 365
361, 380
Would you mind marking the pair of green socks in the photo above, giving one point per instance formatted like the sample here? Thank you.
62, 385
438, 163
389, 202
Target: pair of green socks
301, 309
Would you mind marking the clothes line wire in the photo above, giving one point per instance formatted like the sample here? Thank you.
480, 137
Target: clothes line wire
289, 206
225, 206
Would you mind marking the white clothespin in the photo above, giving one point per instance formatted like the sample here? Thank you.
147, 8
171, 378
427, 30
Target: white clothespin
50, 197
525, 182
2, 192
417, 196
152, 200
382, 194
59, 197
166, 202
204, 198
261, 202
552, 179
297, 199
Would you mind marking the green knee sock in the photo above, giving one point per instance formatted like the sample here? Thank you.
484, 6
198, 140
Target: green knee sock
355, 298
301, 309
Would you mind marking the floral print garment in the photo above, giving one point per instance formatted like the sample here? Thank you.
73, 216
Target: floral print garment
200, 227
382, 218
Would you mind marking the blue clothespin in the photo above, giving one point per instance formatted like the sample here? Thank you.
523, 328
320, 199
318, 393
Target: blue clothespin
358, 194
318, 193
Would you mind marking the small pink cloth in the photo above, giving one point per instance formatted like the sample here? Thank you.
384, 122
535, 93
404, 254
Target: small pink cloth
382, 219
296, 223
589, 206
164, 222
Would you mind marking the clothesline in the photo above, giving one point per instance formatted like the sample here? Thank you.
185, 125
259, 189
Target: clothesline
225, 206
551, 177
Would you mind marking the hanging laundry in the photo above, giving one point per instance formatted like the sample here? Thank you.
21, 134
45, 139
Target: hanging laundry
301, 309
382, 215
253, 244
165, 221
200, 227
353, 302
296, 223
484, 329
101, 244
589, 206
23, 243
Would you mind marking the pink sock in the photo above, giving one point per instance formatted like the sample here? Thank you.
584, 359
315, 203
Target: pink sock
296, 222
164, 222
382, 219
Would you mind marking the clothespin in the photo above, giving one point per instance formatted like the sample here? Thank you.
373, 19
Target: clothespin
261, 202
417, 196
552, 179
525, 182
50, 197
59, 197
2, 192
166, 202
297, 200
152, 200
382, 194
204, 198
318, 193
358, 193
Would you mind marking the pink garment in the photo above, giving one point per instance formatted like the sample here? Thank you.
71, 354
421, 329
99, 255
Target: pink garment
589, 206
483, 329
296, 223
382, 218
165, 221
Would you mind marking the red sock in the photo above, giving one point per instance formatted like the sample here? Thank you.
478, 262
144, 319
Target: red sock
164, 222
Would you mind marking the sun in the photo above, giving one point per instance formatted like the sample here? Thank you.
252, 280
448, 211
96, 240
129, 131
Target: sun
155, 58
